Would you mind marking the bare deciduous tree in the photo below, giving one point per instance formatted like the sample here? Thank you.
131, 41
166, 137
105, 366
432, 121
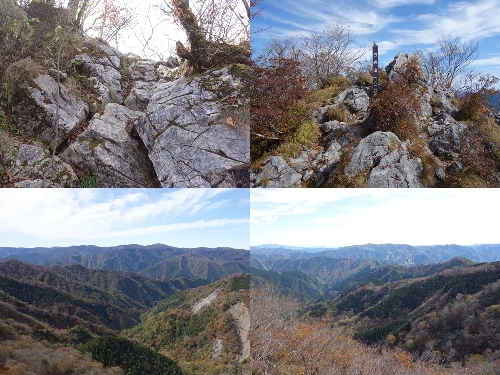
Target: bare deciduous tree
328, 53
111, 19
443, 66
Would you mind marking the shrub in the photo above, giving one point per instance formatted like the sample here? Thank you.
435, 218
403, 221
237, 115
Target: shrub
397, 107
306, 135
89, 182
475, 103
276, 90
364, 79
336, 113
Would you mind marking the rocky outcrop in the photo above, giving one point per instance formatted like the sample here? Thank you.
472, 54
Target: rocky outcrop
185, 135
397, 64
276, 174
103, 71
346, 156
169, 131
446, 136
444, 100
111, 150
37, 113
370, 151
32, 166
396, 170
355, 98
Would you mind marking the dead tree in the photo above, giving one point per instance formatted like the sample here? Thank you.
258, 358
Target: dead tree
204, 54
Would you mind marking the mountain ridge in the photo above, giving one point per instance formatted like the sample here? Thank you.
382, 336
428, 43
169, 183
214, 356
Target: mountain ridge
156, 261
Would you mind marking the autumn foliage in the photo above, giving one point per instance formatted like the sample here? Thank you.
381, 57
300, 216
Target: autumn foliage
397, 106
277, 87
284, 342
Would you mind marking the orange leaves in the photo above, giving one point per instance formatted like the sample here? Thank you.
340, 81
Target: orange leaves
404, 358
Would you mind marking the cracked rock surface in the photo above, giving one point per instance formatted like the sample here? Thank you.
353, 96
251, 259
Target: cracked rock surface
110, 150
32, 166
185, 137
396, 170
277, 174
369, 150
37, 112
105, 70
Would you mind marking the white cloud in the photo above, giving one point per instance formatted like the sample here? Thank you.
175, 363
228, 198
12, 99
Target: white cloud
401, 216
396, 3
491, 60
184, 226
54, 214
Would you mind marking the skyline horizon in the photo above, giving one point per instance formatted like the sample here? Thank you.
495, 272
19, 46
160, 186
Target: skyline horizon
373, 243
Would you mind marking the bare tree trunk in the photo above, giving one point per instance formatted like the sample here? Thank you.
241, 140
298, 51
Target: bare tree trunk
203, 54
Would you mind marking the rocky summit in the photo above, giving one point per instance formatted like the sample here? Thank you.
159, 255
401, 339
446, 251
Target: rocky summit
114, 120
352, 150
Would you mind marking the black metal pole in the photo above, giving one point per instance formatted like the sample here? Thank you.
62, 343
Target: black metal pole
375, 68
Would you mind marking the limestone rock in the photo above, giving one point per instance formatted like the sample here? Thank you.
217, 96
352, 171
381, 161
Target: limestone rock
370, 150
105, 72
334, 126
446, 136
110, 150
185, 135
33, 166
36, 113
112, 54
396, 170
277, 174
139, 96
355, 98
444, 100
397, 64
143, 70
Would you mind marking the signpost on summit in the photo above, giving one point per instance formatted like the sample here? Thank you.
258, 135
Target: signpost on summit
375, 68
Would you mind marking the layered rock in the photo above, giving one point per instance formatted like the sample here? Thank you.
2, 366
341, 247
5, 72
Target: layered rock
355, 98
103, 71
277, 174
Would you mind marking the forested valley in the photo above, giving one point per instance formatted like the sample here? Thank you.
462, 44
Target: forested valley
439, 318
71, 319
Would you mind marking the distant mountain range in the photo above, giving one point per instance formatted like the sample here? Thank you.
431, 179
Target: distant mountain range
161, 262
387, 253
63, 297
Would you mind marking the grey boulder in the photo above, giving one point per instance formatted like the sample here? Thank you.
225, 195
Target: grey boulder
185, 134
355, 98
143, 70
446, 136
140, 95
276, 173
371, 150
396, 170
444, 100
110, 150
105, 71
33, 166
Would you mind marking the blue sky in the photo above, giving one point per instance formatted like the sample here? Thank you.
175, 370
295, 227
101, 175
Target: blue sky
343, 217
107, 217
396, 25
